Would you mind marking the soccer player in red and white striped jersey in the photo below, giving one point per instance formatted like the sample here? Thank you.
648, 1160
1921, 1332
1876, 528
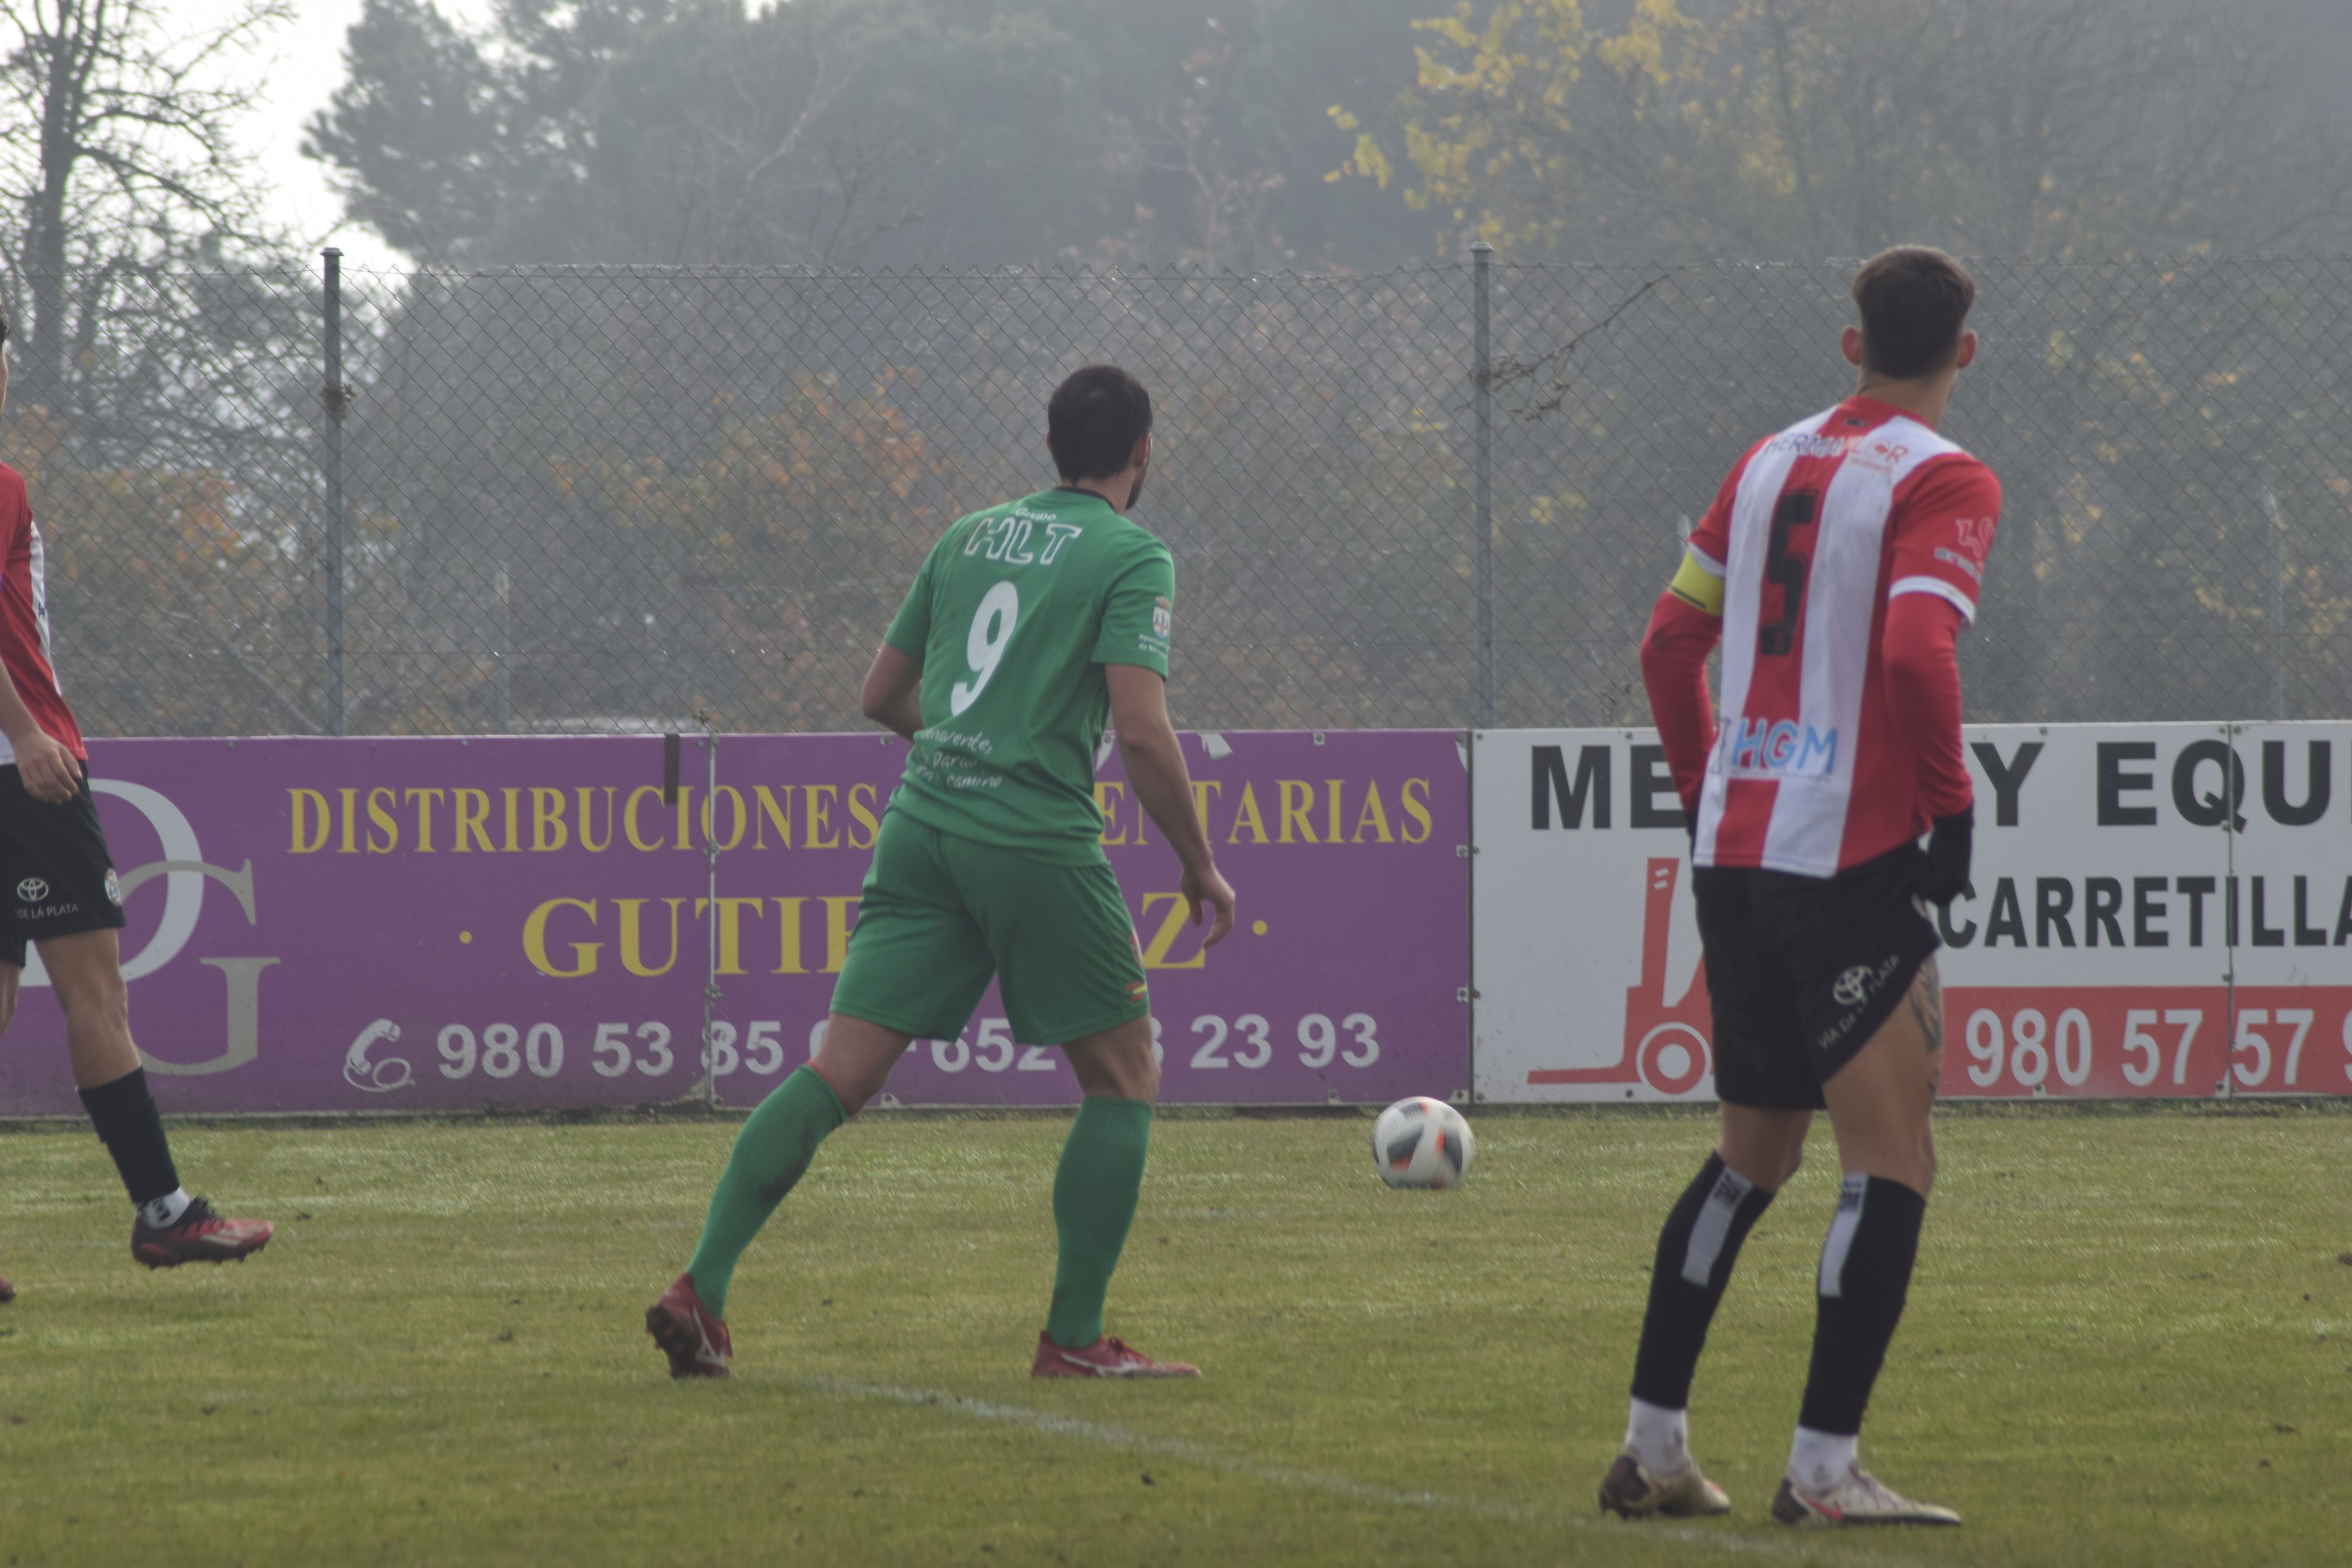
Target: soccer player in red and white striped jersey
1837, 567
58, 892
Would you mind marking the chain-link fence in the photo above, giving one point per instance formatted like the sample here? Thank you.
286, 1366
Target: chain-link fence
589, 500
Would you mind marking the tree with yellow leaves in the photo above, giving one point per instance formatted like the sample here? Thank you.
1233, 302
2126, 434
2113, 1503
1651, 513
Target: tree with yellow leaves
1780, 129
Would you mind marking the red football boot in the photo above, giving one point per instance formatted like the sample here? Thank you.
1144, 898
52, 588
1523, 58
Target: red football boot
1109, 1356
693, 1337
198, 1236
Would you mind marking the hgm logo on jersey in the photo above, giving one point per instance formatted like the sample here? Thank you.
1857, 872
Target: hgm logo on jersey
1780, 748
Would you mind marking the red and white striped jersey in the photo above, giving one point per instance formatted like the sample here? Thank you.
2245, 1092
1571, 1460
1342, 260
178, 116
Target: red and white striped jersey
25, 621
1814, 532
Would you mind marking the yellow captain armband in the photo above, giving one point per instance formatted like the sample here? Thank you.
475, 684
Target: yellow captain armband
1697, 586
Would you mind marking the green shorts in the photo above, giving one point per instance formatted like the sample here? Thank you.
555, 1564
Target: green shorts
941, 914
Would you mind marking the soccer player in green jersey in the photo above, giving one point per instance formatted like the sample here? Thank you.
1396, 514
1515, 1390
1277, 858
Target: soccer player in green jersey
1028, 624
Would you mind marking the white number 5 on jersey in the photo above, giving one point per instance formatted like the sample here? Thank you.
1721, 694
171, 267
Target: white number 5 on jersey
984, 645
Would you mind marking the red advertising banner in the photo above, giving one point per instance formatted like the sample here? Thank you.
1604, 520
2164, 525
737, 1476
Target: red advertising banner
546, 923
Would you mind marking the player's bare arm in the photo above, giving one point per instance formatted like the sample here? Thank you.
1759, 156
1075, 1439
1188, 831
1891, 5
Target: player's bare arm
1155, 768
893, 695
49, 770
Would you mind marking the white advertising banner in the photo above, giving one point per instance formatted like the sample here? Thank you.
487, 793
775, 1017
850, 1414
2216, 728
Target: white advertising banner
2160, 909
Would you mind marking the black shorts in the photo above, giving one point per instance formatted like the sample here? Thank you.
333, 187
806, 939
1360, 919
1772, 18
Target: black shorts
1803, 971
56, 876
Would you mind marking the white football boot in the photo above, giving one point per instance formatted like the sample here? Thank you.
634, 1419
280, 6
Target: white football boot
1855, 1498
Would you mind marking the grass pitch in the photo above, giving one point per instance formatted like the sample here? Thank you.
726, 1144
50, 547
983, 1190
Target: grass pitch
2129, 1342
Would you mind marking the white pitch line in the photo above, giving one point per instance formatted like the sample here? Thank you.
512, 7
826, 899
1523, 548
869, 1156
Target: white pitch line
1055, 1426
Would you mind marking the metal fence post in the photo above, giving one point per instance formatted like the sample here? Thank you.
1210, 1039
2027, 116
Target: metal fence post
332, 394
504, 655
2278, 602
1481, 375
711, 994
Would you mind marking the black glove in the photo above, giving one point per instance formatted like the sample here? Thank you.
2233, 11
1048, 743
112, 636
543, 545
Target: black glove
1945, 876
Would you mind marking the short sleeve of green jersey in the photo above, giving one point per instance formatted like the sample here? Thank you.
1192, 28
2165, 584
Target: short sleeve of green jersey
1136, 617
910, 629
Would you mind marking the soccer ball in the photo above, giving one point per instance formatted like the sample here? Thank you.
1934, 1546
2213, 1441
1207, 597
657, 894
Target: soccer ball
1422, 1142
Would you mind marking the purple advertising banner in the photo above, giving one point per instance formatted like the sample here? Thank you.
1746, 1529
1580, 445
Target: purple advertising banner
319, 925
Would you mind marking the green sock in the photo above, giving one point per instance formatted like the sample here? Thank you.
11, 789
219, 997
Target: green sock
1094, 1203
773, 1149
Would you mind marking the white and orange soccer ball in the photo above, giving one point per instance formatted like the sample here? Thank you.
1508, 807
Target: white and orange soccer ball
1422, 1142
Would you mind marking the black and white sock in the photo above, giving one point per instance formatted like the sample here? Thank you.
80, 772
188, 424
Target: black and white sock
126, 1120
1866, 1275
1696, 1249
162, 1213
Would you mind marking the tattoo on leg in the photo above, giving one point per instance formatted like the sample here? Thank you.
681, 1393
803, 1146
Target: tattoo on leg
1927, 1005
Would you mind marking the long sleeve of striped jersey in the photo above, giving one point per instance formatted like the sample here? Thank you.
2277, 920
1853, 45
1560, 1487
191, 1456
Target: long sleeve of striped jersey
1920, 666
1684, 626
1673, 672
1944, 526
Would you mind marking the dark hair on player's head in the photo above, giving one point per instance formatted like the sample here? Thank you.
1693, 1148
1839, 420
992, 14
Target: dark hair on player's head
1915, 304
1094, 419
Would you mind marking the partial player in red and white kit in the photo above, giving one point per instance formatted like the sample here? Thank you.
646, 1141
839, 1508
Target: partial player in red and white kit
1836, 569
58, 892
25, 622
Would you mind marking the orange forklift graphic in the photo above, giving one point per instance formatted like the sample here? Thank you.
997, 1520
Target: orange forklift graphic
1665, 1045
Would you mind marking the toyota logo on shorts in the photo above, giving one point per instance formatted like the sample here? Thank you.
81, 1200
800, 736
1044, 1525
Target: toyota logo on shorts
32, 890
1852, 986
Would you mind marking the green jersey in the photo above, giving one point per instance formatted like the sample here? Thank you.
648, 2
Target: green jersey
1013, 616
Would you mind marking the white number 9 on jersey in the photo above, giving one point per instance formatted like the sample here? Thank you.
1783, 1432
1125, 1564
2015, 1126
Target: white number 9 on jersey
984, 645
